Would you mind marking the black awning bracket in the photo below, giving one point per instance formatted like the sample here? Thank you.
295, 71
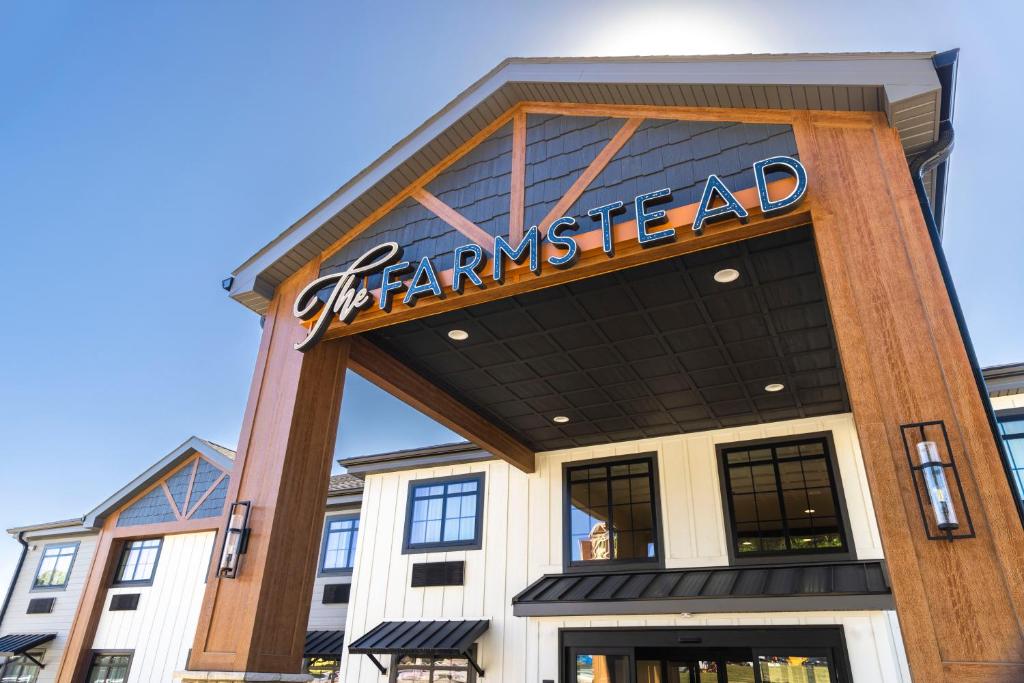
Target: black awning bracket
33, 660
472, 662
376, 662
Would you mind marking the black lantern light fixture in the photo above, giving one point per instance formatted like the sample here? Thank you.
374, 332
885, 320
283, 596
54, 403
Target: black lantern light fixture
236, 539
930, 457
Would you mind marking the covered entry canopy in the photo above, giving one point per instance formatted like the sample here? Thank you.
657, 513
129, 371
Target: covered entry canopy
648, 351
431, 638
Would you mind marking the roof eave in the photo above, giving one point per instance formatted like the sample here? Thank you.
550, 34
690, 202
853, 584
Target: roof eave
905, 78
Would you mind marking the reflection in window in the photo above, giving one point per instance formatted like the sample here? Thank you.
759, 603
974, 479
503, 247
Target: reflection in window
323, 669
340, 544
611, 512
138, 561
783, 498
602, 669
446, 513
432, 670
793, 669
109, 668
20, 669
1011, 428
55, 566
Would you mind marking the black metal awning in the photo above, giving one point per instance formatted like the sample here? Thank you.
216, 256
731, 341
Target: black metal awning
803, 587
431, 638
323, 643
18, 644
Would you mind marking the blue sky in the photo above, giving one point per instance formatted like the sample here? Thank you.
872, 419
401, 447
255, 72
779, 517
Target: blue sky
146, 149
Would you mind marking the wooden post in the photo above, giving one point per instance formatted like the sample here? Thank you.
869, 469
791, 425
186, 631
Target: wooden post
904, 359
257, 622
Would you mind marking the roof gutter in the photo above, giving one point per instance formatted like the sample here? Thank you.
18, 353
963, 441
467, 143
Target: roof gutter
936, 158
14, 579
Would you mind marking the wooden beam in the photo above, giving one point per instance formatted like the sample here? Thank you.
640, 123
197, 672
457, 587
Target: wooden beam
391, 375
453, 218
517, 195
257, 621
591, 172
959, 603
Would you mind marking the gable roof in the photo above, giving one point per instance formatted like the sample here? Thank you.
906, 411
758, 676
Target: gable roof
904, 86
219, 455
344, 483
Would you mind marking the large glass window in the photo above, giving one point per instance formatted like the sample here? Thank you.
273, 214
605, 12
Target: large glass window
611, 512
20, 669
339, 544
1011, 428
445, 513
55, 565
138, 561
109, 668
603, 668
783, 498
411, 669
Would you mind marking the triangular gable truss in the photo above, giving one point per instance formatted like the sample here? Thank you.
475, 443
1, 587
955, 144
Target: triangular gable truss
179, 495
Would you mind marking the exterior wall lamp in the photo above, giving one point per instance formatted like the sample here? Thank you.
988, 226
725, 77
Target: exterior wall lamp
931, 461
236, 539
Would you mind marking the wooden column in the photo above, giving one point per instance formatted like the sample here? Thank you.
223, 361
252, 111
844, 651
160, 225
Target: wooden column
257, 622
959, 603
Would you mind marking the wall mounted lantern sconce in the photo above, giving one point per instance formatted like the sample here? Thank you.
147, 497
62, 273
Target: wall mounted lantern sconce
931, 462
236, 539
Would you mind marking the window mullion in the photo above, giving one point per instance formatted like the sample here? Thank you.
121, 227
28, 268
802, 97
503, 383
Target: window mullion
782, 499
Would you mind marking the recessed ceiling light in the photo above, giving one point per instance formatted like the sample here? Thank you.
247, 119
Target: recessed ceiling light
727, 275
809, 511
773, 387
747, 543
805, 540
560, 419
458, 335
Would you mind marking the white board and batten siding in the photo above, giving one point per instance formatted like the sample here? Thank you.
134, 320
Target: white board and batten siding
161, 630
1007, 402
522, 541
329, 617
59, 620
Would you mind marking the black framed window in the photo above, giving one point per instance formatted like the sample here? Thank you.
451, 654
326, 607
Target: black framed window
783, 498
138, 562
20, 669
612, 512
1011, 429
108, 667
420, 669
445, 513
55, 566
338, 549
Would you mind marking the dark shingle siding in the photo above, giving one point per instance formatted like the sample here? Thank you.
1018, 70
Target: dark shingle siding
178, 486
662, 153
417, 230
205, 476
214, 503
152, 508
478, 185
681, 155
558, 149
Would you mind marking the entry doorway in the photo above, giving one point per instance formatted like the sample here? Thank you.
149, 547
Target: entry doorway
724, 655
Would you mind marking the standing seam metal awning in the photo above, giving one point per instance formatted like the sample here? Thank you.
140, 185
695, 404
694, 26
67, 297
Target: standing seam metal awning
452, 638
324, 643
19, 643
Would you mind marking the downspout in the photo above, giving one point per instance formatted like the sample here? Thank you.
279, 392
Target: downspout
14, 579
936, 158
